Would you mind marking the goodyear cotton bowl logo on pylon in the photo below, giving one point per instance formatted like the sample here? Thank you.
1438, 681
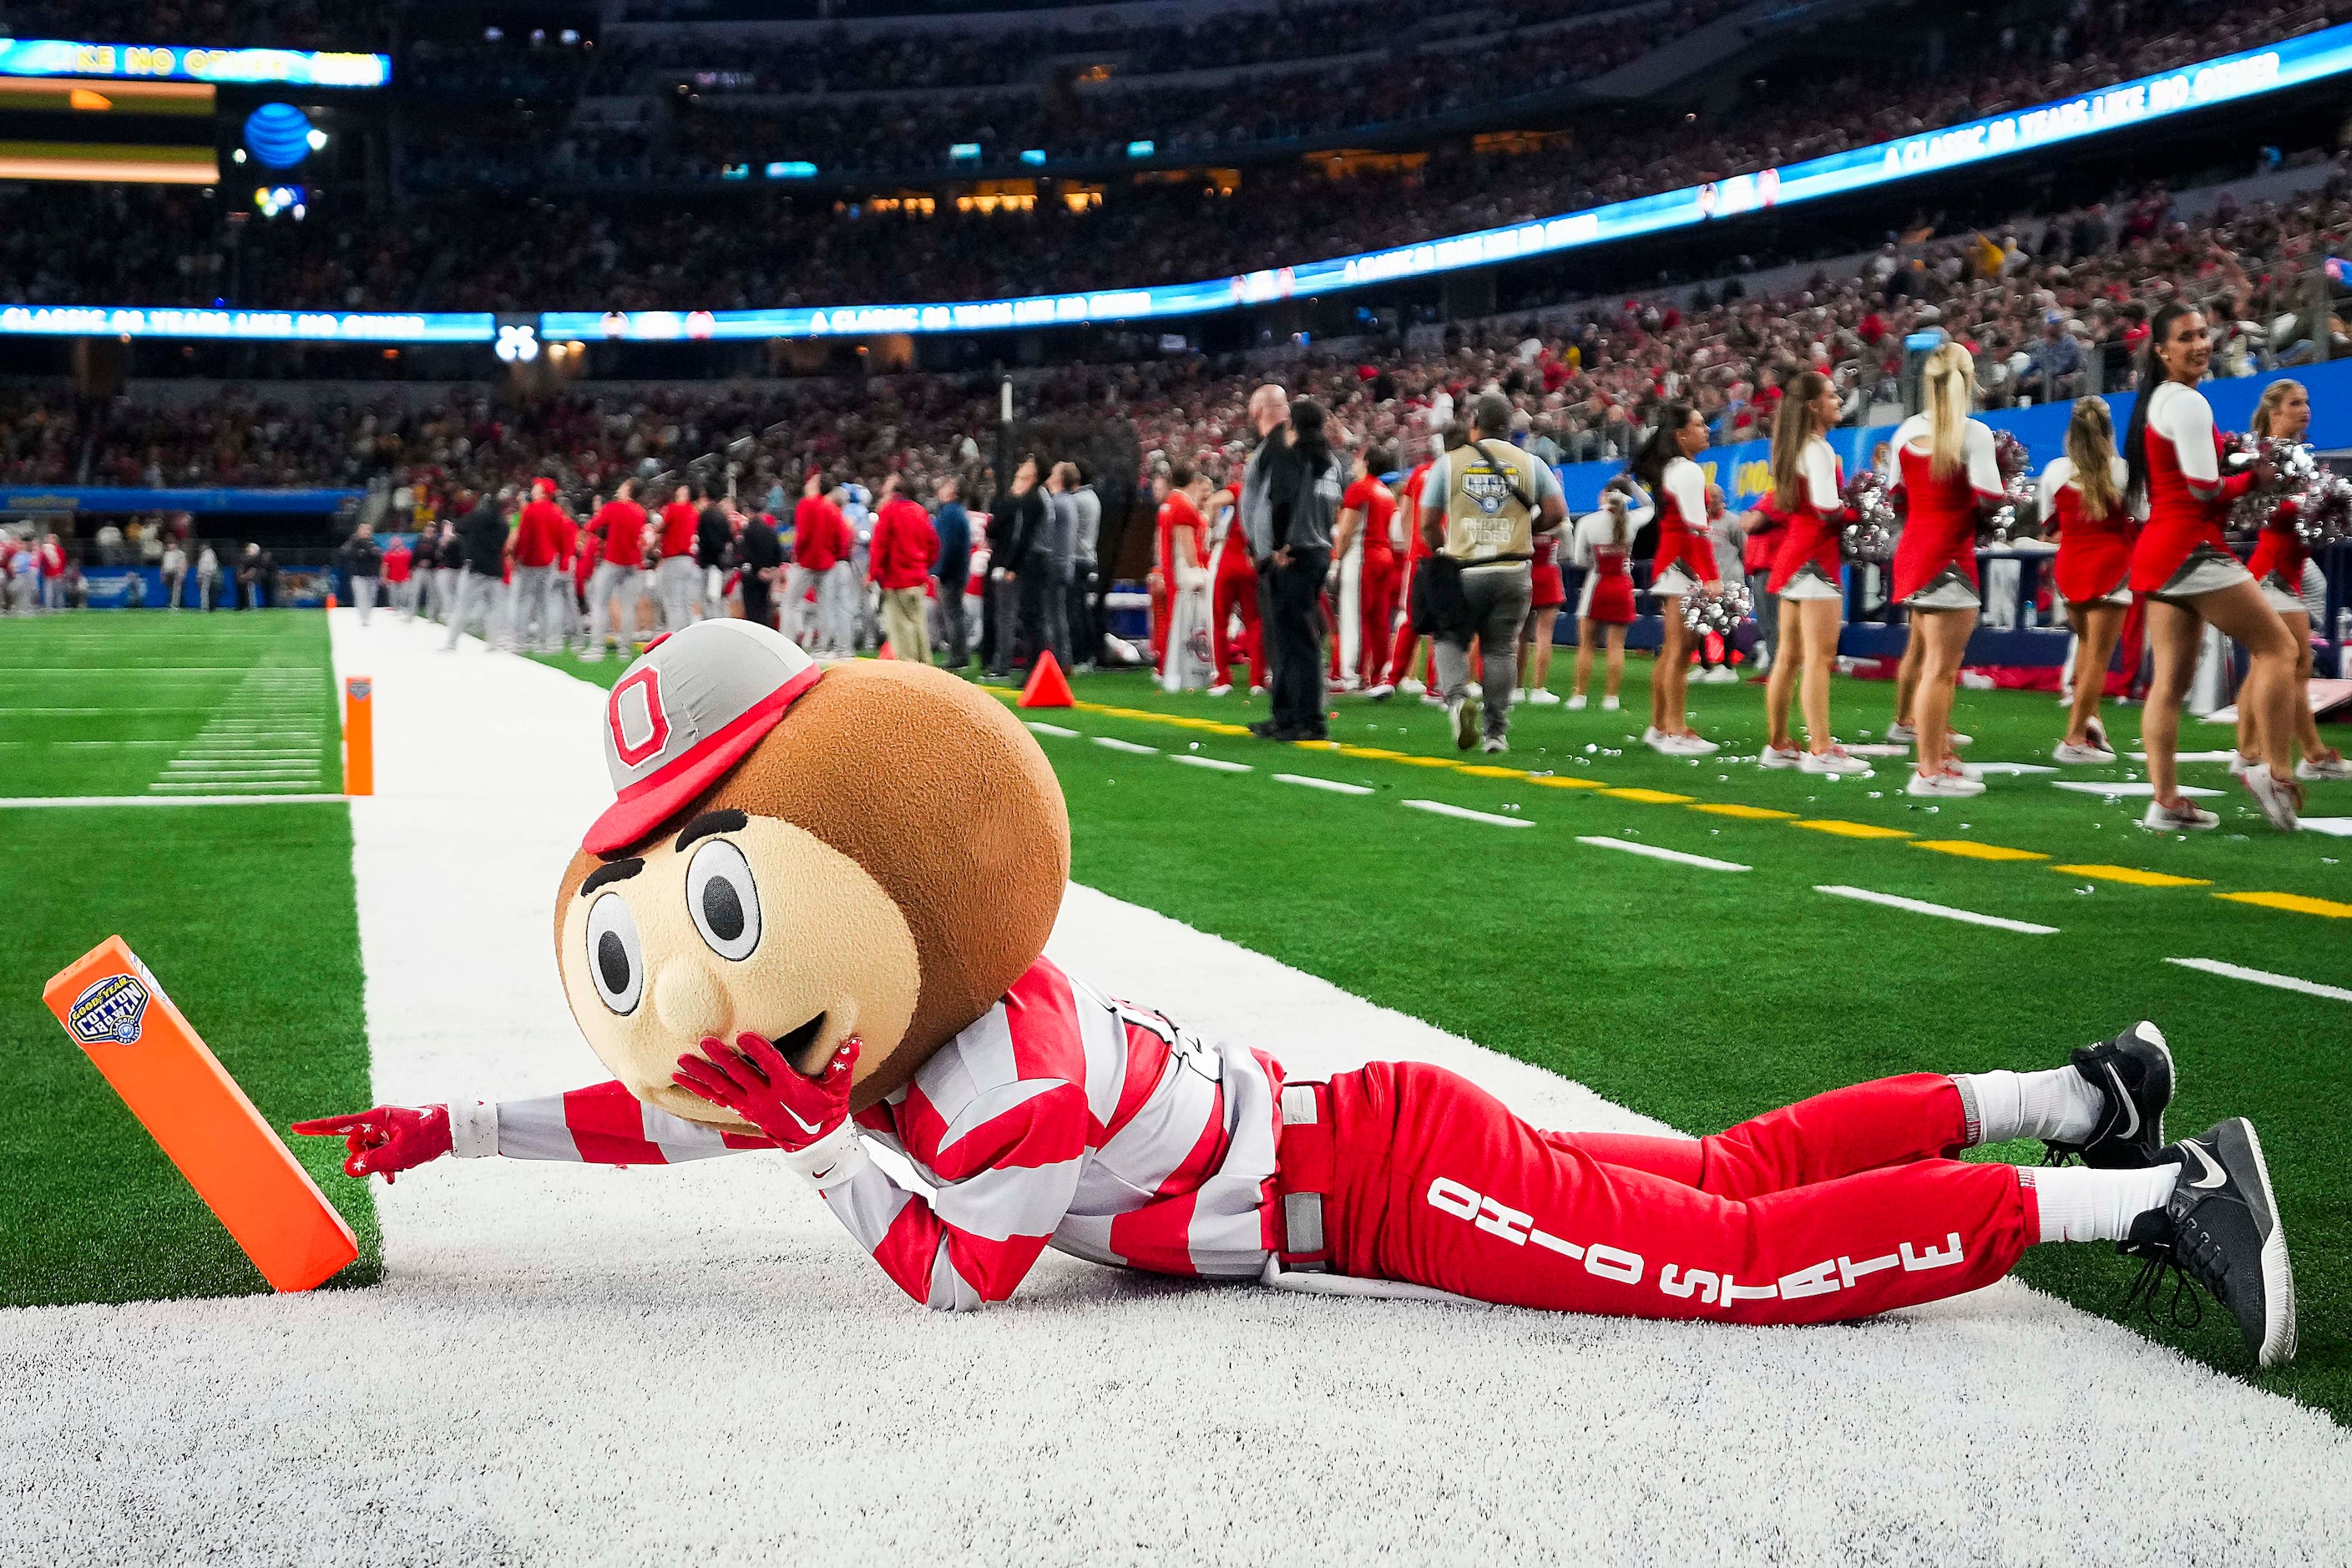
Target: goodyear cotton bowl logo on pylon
112, 1009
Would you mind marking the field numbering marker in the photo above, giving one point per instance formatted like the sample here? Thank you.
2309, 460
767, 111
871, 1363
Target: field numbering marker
1334, 785
1655, 852
1921, 907
1466, 815
2264, 977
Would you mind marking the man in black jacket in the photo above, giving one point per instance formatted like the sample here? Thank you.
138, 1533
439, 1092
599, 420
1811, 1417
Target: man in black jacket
1290, 502
1016, 533
714, 534
482, 537
761, 555
361, 561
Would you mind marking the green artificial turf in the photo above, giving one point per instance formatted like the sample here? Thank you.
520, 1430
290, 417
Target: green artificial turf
246, 914
1702, 997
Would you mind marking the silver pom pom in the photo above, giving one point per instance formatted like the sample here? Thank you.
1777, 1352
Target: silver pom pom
1718, 613
1870, 537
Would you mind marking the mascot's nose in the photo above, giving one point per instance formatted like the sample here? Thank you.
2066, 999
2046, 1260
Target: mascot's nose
689, 1003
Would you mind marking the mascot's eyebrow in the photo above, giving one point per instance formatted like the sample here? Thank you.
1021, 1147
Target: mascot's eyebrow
712, 821
618, 871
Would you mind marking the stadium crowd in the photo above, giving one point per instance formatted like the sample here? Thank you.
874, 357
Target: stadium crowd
2050, 306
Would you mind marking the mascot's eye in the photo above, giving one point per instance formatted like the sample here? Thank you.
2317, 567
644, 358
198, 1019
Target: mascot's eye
617, 960
720, 897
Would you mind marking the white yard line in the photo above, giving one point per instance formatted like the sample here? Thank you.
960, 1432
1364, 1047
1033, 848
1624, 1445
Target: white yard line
1055, 730
2140, 788
1439, 808
1114, 743
569, 1366
1218, 764
1945, 911
2264, 977
1657, 852
1309, 781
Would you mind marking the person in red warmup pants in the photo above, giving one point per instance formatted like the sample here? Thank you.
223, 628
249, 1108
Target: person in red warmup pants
1233, 594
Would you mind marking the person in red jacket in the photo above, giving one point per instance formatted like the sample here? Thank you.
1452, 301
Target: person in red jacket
1412, 647
676, 575
1366, 511
539, 596
821, 545
619, 529
898, 562
1233, 593
397, 563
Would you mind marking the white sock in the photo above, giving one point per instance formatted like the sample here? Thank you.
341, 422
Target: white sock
2079, 1204
2058, 1104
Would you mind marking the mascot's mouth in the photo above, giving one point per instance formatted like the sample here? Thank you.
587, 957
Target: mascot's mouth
790, 1046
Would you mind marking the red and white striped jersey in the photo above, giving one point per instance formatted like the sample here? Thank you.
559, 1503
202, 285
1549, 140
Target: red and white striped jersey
1061, 1118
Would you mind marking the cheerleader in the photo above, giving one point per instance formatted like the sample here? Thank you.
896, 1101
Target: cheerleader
1603, 547
1942, 462
1809, 502
2082, 497
2283, 570
1543, 614
1184, 570
2181, 561
1684, 565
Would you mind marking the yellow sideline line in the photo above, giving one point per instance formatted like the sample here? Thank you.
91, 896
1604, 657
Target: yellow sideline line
1971, 850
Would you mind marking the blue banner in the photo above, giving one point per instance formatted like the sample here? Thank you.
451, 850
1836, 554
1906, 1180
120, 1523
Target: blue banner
164, 62
109, 498
2291, 62
249, 326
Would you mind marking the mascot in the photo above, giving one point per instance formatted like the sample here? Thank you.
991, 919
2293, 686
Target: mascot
814, 922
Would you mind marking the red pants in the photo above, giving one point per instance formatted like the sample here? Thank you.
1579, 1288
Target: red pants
1158, 611
1408, 641
1840, 1206
1381, 578
1235, 593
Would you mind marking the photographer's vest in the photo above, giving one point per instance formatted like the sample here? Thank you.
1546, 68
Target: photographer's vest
1485, 523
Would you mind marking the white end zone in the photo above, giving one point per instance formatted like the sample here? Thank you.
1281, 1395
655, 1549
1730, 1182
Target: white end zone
570, 1364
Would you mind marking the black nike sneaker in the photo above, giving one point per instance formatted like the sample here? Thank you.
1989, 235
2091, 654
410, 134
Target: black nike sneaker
2220, 1229
2133, 1073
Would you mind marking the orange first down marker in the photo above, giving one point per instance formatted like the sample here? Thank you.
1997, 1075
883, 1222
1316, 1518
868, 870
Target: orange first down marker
180, 1092
359, 735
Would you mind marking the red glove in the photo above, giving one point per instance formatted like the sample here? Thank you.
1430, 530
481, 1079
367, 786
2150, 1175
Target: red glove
755, 1082
387, 1139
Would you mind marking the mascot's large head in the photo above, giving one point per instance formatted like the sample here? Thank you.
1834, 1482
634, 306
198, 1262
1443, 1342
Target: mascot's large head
807, 853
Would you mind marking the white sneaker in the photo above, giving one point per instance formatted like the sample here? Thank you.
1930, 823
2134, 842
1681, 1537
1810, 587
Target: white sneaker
1944, 784
2331, 767
2278, 798
1957, 739
1494, 745
1761, 663
1518, 696
1781, 756
1901, 735
2186, 817
1576, 703
1432, 700
2099, 734
1411, 687
1224, 690
1379, 693
1689, 745
1610, 705
1836, 759
2237, 763
593, 656
1540, 697
1720, 675
1657, 740
1257, 692
1464, 716
2080, 756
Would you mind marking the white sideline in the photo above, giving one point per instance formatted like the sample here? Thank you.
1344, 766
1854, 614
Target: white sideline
571, 1365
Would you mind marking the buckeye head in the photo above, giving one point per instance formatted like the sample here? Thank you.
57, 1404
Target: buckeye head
808, 853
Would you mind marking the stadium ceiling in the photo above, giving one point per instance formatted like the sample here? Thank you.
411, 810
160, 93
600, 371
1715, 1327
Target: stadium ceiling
2275, 68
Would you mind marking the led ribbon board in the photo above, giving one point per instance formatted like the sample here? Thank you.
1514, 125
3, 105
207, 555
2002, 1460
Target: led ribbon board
2291, 62
248, 326
164, 62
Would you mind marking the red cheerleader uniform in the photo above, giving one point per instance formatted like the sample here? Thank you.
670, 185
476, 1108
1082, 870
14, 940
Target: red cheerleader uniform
1550, 591
2277, 561
1807, 562
2093, 564
1935, 558
1686, 555
2182, 551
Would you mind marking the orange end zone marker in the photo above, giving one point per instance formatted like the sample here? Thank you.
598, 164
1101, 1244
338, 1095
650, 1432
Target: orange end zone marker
359, 735
186, 1100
